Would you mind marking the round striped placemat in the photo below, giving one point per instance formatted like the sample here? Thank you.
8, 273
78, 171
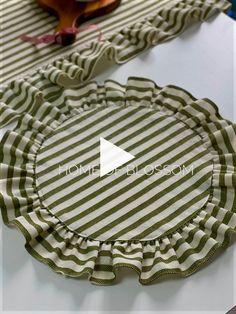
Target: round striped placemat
166, 209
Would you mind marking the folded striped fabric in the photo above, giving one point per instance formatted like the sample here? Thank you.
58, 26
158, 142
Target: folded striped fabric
135, 26
165, 212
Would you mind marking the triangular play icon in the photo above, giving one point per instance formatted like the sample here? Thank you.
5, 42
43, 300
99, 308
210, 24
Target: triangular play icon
112, 157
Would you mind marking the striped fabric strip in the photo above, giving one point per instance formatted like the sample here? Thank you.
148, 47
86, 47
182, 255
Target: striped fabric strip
147, 23
78, 222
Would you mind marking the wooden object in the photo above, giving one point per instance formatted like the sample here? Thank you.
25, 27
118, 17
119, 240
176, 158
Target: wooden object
72, 13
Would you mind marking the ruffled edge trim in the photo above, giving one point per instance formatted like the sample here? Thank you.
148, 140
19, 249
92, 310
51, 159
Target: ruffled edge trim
156, 277
166, 23
51, 242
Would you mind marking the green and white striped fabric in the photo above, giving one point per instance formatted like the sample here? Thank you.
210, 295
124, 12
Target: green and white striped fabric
135, 26
155, 222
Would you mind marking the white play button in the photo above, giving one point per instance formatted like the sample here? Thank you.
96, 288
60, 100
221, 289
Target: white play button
112, 157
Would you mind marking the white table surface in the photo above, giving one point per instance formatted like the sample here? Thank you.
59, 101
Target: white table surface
201, 61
